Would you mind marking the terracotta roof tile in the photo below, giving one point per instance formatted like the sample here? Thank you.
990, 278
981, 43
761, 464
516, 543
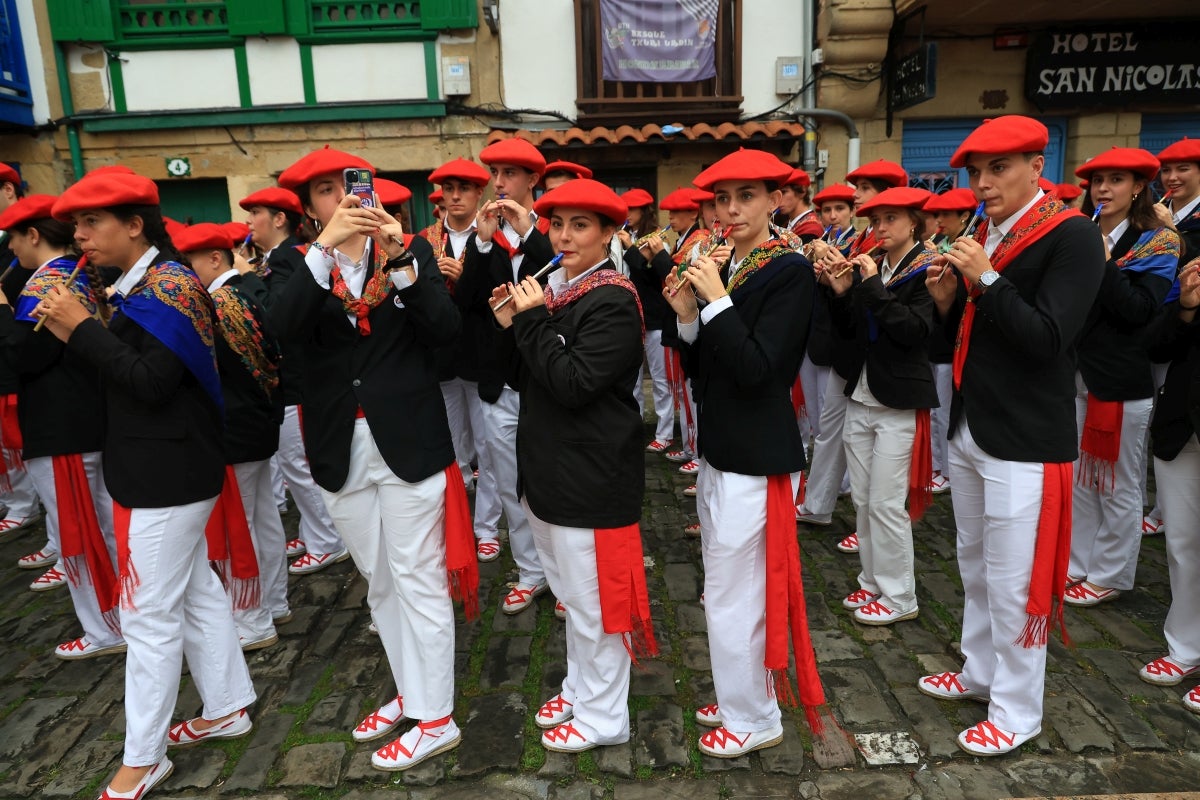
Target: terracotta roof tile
626, 134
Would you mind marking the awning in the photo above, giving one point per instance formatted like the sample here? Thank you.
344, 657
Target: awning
776, 130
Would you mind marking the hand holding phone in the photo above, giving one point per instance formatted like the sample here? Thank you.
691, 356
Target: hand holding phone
361, 184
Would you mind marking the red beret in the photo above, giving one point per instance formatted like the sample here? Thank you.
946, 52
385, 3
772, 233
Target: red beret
680, 200
238, 231
462, 169
9, 175
952, 200
436, 196
111, 169
1067, 191
744, 165
1045, 184
1132, 159
320, 162
203, 236
272, 197
1010, 133
798, 178
1184, 150
636, 198
391, 193
702, 196
583, 193
104, 191
895, 197
172, 226
579, 170
28, 208
834, 192
515, 151
884, 171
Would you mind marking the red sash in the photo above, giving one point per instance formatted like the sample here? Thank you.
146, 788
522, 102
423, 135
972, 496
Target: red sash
81, 539
1100, 444
1051, 556
920, 468
798, 404
231, 547
10, 439
462, 566
624, 599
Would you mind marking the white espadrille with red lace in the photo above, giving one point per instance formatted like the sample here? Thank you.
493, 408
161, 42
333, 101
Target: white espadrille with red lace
985, 739
315, 562
296, 548
858, 599
487, 549
83, 647
723, 743
554, 712
1089, 594
849, 544
423, 741
1191, 700
566, 738
1152, 525
1165, 672
690, 467
656, 446
182, 734
874, 612
381, 721
153, 777
521, 597
709, 716
52, 578
949, 686
38, 559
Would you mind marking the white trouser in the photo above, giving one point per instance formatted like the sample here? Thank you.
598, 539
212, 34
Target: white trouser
939, 418
660, 387
270, 549
487, 488
733, 526
500, 419
458, 393
1158, 372
1178, 483
21, 498
178, 610
1106, 528
316, 527
278, 486
879, 444
996, 509
597, 680
684, 403
395, 531
813, 380
827, 473
83, 594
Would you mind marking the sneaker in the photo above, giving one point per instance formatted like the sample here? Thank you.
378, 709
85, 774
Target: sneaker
876, 613
723, 743
809, 518
949, 686
566, 738
939, 483
690, 491
985, 739
248, 645
487, 549
692, 530
415, 746
296, 548
81, 648
1165, 672
849, 544
1152, 526
858, 599
678, 456
50, 579
521, 596
182, 734
153, 777
658, 447
380, 722
38, 560
554, 712
1191, 700
560, 611
311, 562
709, 716
1089, 594
12, 525
690, 468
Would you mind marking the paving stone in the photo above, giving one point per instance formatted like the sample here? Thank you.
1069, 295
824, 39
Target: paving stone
832, 646
1150, 772
300, 687
335, 629
860, 784
1121, 670
359, 768
677, 789
313, 764
357, 666
660, 740
918, 639
47, 756
1179, 727
1040, 775
275, 662
934, 663
517, 786
525, 622
832, 746
695, 653
557, 765
745, 786
96, 757
506, 662
710, 764
579, 790
894, 664
876, 633
1130, 636
1130, 727
337, 712
196, 767
683, 582
857, 696
493, 736
615, 759
430, 773
690, 617
961, 781
652, 677
1076, 723
787, 757
888, 747
80, 677
21, 728
820, 617
924, 714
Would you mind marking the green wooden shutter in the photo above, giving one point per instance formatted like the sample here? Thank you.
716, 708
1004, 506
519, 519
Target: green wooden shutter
81, 20
438, 15
299, 17
255, 17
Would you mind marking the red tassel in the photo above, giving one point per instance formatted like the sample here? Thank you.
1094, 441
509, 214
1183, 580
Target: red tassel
1035, 633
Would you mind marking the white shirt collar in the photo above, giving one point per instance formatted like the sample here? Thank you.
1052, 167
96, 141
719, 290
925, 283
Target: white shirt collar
1183, 212
131, 278
353, 272
558, 279
463, 232
998, 230
1117, 233
222, 279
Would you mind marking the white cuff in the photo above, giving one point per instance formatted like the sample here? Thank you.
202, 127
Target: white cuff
715, 307
320, 264
400, 278
483, 247
689, 331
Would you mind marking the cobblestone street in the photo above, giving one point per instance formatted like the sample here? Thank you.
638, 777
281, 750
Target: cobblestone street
1105, 731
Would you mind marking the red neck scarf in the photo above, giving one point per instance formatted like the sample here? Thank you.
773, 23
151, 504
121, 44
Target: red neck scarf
373, 293
82, 541
230, 546
602, 276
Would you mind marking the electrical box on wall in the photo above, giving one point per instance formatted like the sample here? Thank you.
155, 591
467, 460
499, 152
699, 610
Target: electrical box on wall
456, 76
789, 74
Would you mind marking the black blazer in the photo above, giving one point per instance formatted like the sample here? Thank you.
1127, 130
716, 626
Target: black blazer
743, 366
1177, 410
267, 293
1112, 350
1018, 386
389, 374
162, 445
252, 416
13, 285
647, 277
579, 434
461, 359
897, 362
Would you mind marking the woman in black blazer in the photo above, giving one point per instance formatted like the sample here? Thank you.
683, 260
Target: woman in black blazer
883, 317
163, 466
577, 350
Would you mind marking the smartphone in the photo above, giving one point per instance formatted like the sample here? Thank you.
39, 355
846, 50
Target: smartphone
359, 182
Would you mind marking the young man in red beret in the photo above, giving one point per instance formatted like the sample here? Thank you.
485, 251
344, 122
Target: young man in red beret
1015, 300
559, 172
1180, 177
796, 211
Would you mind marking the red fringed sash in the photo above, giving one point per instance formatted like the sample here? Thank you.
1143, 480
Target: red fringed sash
127, 577
1051, 555
231, 548
10, 440
798, 400
462, 568
920, 468
786, 613
677, 380
1100, 444
81, 539
624, 599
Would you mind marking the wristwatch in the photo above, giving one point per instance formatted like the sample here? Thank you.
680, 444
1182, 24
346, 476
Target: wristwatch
988, 278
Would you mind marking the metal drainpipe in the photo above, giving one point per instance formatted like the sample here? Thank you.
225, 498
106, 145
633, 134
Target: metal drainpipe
809, 97
852, 150
64, 88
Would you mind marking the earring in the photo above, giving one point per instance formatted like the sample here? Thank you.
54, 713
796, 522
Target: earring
1135, 197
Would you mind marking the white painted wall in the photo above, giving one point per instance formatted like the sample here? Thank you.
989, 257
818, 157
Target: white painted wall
367, 72
158, 80
770, 29
537, 55
274, 66
75, 55
34, 61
